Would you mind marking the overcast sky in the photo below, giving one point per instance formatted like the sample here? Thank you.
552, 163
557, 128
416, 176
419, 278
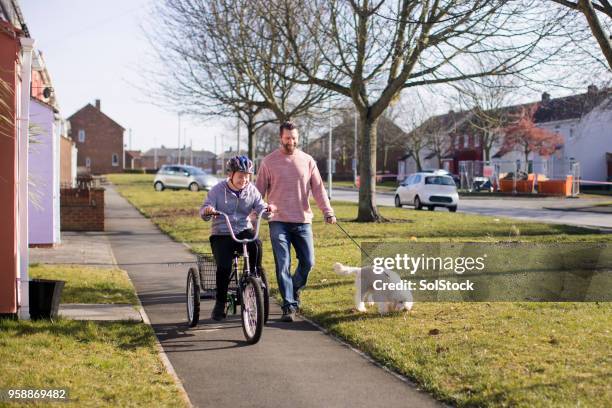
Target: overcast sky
92, 50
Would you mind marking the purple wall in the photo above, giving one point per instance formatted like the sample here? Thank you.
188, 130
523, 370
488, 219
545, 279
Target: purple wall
41, 175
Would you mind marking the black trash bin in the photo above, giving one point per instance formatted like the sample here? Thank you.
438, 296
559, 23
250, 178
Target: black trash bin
45, 298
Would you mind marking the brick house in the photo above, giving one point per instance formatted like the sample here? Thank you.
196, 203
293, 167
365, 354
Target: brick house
99, 140
583, 120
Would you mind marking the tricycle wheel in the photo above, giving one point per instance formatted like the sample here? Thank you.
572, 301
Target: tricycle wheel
193, 297
252, 309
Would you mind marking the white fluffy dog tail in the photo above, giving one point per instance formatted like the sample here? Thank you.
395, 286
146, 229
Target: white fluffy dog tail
345, 270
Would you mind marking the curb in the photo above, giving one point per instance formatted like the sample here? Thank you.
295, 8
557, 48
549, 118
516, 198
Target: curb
160, 350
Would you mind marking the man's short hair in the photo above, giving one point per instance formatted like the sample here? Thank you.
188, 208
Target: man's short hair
286, 125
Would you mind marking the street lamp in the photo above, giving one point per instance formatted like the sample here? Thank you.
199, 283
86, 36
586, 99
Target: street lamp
179, 138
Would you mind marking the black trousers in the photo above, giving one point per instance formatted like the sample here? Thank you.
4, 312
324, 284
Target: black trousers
223, 248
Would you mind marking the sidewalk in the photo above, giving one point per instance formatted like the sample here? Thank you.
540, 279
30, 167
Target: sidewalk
83, 248
294, 365
90, 249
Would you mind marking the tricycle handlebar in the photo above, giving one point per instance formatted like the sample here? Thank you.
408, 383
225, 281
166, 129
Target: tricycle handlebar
231, 230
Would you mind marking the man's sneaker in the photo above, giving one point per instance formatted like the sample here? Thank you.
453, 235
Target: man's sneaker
288, 315
296, 297
218, 312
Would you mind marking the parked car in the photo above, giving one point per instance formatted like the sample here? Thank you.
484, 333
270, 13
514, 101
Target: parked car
445, 173
428, 189
482, 184
181, 176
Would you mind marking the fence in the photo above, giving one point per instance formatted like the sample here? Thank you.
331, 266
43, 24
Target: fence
82, 208
524, 177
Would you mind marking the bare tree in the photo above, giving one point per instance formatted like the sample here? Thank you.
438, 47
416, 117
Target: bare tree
592, 11
370, 50
486, 99
215, 59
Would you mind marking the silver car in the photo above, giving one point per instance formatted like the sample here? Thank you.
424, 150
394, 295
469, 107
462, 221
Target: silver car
181, 176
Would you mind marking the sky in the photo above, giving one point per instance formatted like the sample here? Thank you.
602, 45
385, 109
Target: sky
96, 50
93, 50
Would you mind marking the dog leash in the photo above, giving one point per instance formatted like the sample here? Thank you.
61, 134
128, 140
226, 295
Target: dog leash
355, 242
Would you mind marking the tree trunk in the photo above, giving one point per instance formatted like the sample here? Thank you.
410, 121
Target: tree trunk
251, 133
367, 171
417, 160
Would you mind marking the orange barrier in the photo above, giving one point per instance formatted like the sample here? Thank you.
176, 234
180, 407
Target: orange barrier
556, 187
522, 186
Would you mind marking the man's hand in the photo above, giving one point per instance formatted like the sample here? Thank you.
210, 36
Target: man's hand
209, 210
271, 208
330, 219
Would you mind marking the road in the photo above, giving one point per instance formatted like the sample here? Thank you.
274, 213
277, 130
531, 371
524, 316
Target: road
528, 209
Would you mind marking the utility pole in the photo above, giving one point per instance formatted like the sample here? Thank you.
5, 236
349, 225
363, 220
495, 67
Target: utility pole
329, 156
179, 138
190, 152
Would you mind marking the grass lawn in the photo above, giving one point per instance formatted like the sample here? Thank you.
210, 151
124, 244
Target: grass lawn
100, 363
110, 364
385, 186
481, 354
87, 284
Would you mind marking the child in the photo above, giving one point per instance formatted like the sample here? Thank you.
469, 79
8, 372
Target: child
237, 198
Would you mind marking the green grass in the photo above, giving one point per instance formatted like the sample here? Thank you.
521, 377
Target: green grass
385, 186
484, 354
100, 363
111, 364
88, 285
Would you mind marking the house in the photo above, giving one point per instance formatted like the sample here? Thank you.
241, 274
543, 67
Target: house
443, 144
16, 49
133, 159
99, 140
583, 120
44, 159
68, 156
156, 157
390, 148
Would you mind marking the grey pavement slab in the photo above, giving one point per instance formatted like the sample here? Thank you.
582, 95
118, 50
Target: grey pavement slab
99, 312
294, 365
86, 248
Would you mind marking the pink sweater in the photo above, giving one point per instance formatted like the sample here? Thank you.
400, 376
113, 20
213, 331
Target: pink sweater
288, 180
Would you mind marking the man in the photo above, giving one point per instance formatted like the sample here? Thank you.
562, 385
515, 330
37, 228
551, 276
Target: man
288, 176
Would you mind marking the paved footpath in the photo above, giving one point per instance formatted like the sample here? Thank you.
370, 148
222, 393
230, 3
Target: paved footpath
293, 365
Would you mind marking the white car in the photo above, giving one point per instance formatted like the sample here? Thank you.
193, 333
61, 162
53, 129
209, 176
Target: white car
429, 190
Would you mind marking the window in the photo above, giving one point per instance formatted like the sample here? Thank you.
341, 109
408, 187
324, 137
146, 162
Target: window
87, 162
81, 136
477, 141
440, 180
465, 142
115, 159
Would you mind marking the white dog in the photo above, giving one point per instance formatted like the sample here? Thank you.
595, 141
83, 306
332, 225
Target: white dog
395, 300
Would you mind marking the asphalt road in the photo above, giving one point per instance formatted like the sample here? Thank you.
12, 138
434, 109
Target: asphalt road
294, 365
528, 209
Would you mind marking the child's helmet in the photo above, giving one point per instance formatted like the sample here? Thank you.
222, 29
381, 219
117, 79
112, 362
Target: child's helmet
240, 163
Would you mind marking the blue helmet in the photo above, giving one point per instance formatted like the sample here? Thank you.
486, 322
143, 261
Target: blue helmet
240, 163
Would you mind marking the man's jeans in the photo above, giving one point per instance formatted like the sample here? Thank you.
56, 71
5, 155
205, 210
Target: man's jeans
283, 235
